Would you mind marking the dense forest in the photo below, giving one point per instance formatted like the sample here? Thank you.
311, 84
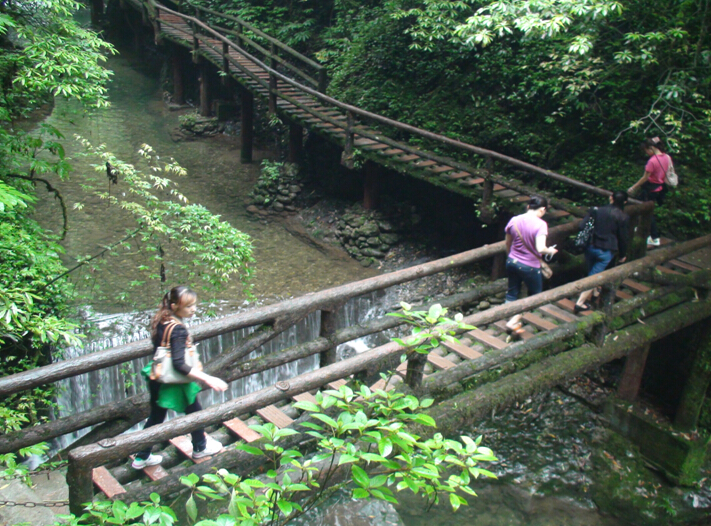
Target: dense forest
570, 85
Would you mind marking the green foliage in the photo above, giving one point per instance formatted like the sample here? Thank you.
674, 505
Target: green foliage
118, 512
192, 244
12, 470
430, 327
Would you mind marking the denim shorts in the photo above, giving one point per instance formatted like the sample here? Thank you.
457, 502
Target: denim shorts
519, 273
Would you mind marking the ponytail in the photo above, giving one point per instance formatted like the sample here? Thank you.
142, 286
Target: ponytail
177, 296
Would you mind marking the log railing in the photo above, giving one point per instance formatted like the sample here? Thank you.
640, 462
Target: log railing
83, 459
200, 32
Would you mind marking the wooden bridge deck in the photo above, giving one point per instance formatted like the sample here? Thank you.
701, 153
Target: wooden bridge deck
472, 345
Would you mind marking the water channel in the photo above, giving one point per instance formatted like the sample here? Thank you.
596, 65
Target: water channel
285, 267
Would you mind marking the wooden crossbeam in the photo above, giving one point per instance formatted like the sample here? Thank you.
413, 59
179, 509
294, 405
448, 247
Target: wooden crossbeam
635, 285
539, 322
557, 313
439, 362
305, 397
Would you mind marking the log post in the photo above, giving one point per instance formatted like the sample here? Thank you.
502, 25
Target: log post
486, 209
296, 135
81, 486
370, 187
178, 84
97, 10
239, 41
272, 80
204, 90
225, 62
415, 369
641, 232
608, 300
328, 331
247, 120
631, 380
347, 157
196, 44
322, 80
697, 384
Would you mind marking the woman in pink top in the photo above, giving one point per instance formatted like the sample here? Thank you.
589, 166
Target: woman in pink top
525, 245
653, 182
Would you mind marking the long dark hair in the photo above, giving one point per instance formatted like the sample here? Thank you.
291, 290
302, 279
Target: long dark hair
619, 199
179, 296
654, 142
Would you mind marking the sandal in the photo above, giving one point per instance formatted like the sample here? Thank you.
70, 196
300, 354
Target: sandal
580, 308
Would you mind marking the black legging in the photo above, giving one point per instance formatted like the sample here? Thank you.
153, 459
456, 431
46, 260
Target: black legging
647, 194
158, 415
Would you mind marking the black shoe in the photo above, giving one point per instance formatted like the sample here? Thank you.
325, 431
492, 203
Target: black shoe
581, 308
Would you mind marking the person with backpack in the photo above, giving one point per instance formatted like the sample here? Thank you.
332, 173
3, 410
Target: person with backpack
609, 235
654, 181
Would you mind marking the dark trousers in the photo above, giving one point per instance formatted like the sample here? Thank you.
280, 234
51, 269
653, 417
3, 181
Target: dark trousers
158, 415
647, 194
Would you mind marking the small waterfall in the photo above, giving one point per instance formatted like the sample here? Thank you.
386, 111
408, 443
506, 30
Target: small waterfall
118, 382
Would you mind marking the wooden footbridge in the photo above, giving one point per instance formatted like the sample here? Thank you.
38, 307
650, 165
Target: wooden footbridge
652, 296
643, 301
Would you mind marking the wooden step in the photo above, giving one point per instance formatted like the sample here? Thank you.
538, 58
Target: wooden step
683, 265
526, 335
276, 416
363, 142
636, 286
381, 385
539, 322
184, 444
666, 270
459, 175
425, 164
557, 313
153, 472
242, 430
439, 362
622, 295
408, 158
441, 169
337, 384
105, 481
557, 214
569, 305
473, 182
379, 146
520, 199
305, 397
487, 339
402, 369
393, 151
462, 350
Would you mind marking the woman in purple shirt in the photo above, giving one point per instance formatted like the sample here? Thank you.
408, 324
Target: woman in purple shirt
653, 182
525, 245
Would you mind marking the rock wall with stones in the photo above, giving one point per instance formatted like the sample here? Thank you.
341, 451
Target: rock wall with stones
277, 191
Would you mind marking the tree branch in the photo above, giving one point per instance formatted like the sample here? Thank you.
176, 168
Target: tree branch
104, 251
57, 195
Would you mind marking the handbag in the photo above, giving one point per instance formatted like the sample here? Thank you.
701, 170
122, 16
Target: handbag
585, 235
162, 369
546, 270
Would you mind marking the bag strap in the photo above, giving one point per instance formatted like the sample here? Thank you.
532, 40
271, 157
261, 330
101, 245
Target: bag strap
526, 244
167, 332
666, 172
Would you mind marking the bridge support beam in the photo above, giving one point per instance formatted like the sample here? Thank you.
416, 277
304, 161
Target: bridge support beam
631, 380
296, 144
370, 187
247, 120
697, 384
178, 83
328, 331
205, 101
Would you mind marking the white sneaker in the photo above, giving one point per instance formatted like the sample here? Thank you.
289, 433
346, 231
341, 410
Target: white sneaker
211, 448
152, 460
654, 241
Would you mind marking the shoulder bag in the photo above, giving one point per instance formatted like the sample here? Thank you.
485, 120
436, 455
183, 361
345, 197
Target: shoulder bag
546, 270
162, 369
585, 235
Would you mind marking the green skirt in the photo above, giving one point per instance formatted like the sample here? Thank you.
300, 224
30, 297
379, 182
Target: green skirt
174, 396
